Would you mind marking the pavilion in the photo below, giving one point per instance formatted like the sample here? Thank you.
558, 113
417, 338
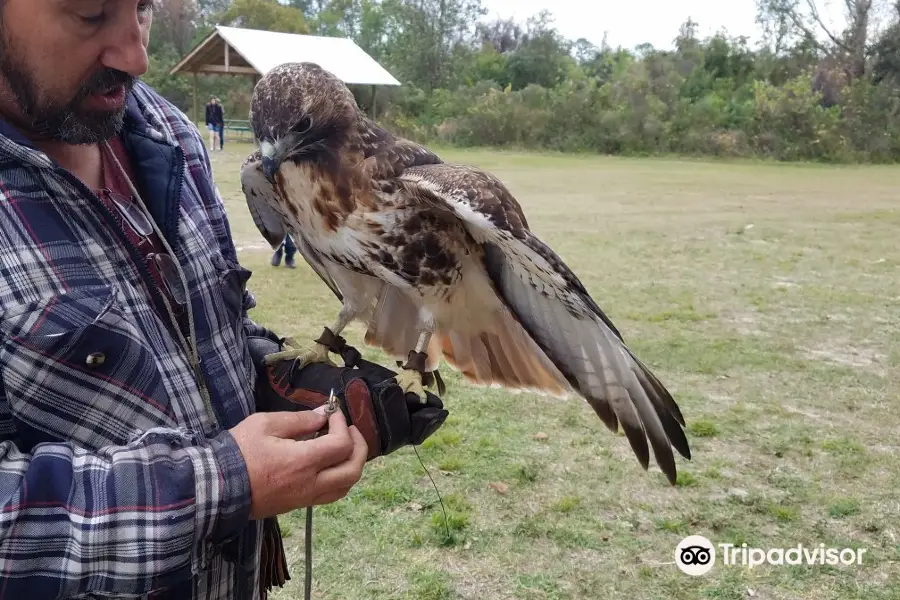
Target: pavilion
253, 53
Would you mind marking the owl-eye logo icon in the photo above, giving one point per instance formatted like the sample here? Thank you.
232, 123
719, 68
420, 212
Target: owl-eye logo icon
695, 555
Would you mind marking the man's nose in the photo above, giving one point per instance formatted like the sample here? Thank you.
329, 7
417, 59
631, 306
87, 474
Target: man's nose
125, 49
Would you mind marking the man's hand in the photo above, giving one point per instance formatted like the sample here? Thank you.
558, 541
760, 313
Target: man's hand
288, 472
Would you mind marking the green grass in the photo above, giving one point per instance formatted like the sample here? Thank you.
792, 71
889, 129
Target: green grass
780, 341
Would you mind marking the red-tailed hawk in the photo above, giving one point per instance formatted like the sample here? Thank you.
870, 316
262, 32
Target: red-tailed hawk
437, 260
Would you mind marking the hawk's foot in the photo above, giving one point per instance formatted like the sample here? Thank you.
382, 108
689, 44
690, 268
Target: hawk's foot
410, 380
302, 356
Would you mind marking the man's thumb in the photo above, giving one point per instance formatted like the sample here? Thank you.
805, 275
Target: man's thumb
296, 424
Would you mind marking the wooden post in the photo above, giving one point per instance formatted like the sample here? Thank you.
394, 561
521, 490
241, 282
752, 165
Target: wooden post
374, 96
196, 110
255, 79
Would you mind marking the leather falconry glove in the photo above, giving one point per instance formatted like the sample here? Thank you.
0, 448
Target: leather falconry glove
369, 397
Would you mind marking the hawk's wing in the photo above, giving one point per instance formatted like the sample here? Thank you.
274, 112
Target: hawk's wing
261, 200
387, 156
555, 309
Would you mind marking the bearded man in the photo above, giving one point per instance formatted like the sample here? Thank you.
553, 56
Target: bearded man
139, 455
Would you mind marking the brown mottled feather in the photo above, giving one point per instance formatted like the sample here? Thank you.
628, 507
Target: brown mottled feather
388, 157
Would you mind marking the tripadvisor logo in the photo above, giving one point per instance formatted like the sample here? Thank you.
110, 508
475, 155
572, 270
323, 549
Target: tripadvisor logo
796, 555
696, 555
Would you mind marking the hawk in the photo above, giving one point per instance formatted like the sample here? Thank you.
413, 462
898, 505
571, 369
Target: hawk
437, 261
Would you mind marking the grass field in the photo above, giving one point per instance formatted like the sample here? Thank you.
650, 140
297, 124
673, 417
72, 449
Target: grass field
766, 297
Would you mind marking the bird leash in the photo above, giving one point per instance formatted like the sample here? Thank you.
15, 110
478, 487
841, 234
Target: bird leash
331, 406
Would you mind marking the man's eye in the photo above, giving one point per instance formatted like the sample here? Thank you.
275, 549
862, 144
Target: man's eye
143, 7
94, 20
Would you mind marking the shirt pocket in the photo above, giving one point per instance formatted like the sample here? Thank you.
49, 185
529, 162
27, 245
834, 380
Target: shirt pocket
75, 367
232, 279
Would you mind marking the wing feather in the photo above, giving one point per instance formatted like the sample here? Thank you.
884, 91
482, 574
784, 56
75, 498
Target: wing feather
258, 192
386, 156
556, 310
262, 198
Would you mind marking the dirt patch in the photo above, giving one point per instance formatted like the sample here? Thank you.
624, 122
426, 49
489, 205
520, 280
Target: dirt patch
850, 356
745, 323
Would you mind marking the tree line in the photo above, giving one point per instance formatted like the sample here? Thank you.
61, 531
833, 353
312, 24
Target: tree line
806, 92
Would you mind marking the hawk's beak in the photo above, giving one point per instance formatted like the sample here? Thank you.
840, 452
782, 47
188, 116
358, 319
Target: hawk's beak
270, 161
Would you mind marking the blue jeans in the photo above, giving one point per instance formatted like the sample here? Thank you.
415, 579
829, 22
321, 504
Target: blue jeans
289, 248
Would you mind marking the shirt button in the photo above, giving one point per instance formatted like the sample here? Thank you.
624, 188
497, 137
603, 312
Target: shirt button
95, 359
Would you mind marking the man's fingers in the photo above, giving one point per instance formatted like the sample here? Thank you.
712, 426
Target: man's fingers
337, 423
332, 496
334, 447
360, 448
294, 424
348, 472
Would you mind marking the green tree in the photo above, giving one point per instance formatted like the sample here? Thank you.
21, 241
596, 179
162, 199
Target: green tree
427, 37
268, 15
542, 57
174, 23
886, 56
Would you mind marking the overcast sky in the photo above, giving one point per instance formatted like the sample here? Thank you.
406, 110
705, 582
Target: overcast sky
632, 22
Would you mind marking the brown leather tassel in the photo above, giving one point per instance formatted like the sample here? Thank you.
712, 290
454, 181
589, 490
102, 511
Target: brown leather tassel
273, 568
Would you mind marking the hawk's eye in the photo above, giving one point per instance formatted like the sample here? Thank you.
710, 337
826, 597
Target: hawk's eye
303, 125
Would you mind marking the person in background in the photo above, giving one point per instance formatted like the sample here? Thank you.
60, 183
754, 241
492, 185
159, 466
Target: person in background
289, 249
211, 122
219, 113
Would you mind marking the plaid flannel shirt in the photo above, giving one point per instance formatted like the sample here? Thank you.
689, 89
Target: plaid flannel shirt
115, 478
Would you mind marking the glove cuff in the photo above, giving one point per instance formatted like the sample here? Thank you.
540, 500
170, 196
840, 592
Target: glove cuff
403, 419
388, 418
360, 410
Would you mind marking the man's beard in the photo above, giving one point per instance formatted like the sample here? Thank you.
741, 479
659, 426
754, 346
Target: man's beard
66, 122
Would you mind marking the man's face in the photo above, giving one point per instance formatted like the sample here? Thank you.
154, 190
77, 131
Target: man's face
66, 66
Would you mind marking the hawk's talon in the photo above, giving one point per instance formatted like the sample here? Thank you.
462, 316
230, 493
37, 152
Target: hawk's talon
433, 378
410, 380
301, 356
288, 342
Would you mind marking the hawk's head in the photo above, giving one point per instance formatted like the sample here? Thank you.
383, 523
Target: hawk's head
301, 112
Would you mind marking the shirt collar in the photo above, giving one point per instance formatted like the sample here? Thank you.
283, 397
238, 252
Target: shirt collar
9, 130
